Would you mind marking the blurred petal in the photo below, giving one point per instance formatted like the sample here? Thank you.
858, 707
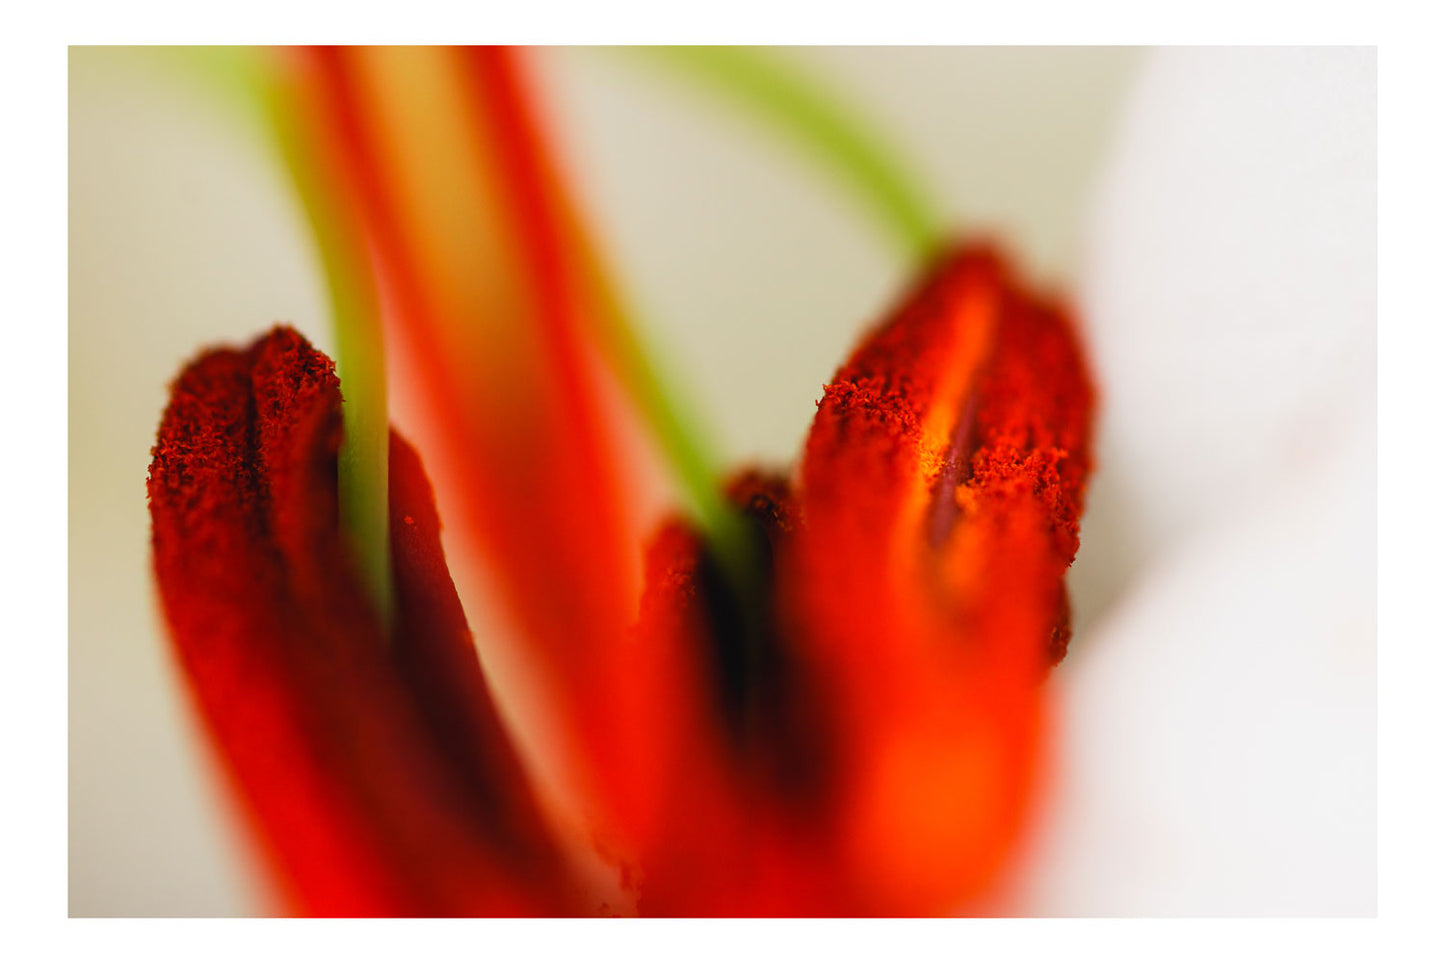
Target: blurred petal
1218, 730
1219, 718
1229, 289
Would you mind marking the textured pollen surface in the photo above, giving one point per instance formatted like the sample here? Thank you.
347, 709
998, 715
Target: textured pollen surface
865, 734
371, 765
939, 494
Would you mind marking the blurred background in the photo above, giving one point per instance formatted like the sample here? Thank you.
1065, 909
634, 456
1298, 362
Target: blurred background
753, 278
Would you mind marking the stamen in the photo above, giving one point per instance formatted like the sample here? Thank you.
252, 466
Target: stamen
264, 92
356, 320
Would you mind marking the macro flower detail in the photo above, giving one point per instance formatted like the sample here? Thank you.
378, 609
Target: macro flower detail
848, 723
871, 735
371, 762
647, 481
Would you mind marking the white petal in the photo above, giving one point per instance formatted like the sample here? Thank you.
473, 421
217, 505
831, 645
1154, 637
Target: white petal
1217, 725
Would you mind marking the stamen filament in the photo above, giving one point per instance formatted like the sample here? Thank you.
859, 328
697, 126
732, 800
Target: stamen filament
782, 95
360, 346
672, 422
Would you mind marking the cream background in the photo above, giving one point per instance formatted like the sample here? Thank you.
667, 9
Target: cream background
746, 267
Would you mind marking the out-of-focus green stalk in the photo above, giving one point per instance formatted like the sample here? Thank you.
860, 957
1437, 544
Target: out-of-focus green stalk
360, 350
777, 92
674, 425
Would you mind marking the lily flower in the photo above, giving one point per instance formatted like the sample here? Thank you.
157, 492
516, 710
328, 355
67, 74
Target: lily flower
816, 693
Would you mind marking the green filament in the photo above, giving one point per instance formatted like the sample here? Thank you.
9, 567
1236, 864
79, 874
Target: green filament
674, 426
781, 95
360, 352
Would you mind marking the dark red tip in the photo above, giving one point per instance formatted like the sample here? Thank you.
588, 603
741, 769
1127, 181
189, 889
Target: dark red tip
372, 765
